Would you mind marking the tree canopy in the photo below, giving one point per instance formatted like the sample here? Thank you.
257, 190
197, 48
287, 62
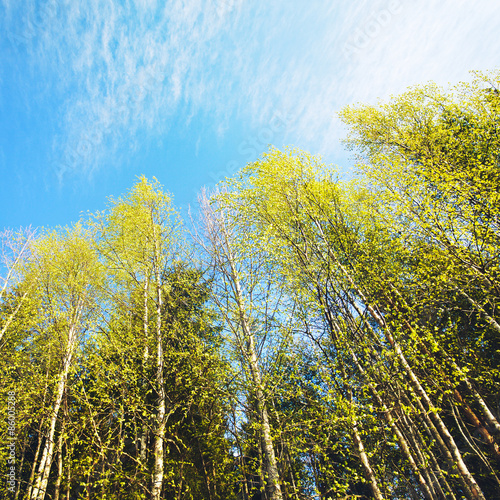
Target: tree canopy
305, 338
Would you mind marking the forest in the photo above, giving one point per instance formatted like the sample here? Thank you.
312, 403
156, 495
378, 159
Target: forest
297, 336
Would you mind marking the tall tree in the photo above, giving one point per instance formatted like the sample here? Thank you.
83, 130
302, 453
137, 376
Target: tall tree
241, 294
328, 234
15, 251
432, 159
67, 275
139, 237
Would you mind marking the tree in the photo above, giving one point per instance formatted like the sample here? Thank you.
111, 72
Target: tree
335, 252
242, 293
139, 238
432, 159
173, 379
67, 276
15, 249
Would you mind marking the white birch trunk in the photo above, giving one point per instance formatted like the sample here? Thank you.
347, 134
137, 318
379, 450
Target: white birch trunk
474, 489
272, 479
161, 409
39, 489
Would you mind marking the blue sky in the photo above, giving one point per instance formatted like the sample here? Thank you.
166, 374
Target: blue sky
94, 93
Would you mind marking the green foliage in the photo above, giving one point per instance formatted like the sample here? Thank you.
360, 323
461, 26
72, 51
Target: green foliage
344, 335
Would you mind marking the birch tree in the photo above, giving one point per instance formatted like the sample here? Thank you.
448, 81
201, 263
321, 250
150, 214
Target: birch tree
139, 240
67, 275
15, 252
238, 274
329, 241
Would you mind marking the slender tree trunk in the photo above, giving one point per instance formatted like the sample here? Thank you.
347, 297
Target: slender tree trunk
160, 386
474, 489
40, 438
472, 418
57, 487
272, 475
368, 471
491, 421
42, 479
243, 465
423, 413
220, 249
335, 332
288, 458
369, 474
35, 462
488, 415
491, 321
20, 467
178, 495
413, 441
432, 433
401, 439
145, 321
204, 465
144, 430
68, 486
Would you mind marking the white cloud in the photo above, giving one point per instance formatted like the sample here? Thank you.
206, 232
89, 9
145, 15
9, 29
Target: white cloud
121, 70
373, 49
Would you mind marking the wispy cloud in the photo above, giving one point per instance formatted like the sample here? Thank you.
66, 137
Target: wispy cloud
405, 43
118, 71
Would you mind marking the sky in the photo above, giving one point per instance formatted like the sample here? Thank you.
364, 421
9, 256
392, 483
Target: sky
95, 93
